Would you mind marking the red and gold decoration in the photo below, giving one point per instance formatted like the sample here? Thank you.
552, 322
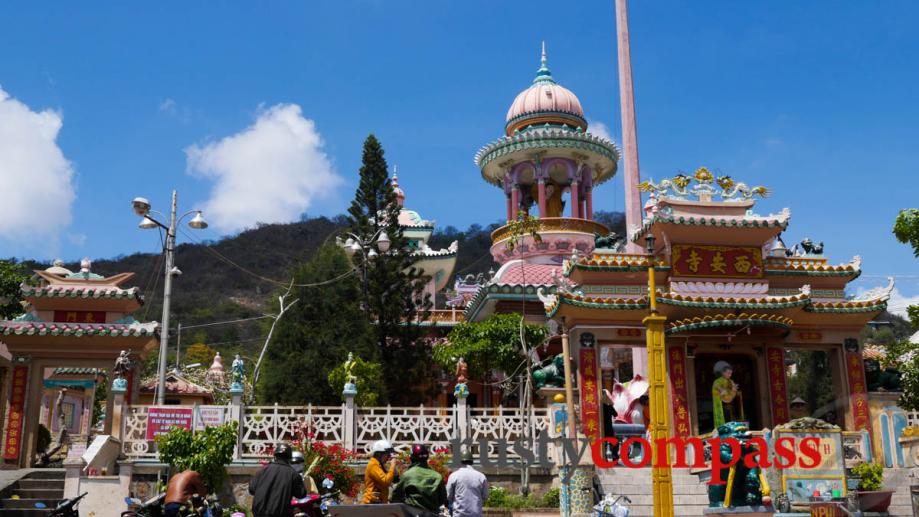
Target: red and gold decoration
79, 316
15, 413
681, 423
717, 261
858, 393
630, 332
590, 406
778, 389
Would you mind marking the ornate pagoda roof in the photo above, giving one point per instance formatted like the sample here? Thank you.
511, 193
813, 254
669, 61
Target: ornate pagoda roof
38, 328
75, 291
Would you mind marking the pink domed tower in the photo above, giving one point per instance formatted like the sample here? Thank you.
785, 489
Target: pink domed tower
547, 165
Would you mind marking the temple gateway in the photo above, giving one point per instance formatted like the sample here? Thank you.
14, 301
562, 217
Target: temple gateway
741, 307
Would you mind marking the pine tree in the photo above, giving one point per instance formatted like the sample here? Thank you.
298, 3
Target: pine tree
393, 289
316, 334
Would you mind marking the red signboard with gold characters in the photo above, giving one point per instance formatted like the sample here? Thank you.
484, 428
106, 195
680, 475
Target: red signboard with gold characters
590, 406
775, 362
678, 388
15, 413
717, 261
858, 393
79, 316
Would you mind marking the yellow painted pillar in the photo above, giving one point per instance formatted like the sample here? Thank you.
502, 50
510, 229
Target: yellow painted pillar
661, 478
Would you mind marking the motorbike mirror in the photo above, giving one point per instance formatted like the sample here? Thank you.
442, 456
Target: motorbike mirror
327, 483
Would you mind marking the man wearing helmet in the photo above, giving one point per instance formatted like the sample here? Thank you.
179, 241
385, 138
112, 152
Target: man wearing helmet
274, 486
377, 478
421, 486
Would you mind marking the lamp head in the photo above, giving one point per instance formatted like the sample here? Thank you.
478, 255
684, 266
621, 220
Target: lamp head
141, 206
147, 224
372, 254
197, 222
383, 242
649, 240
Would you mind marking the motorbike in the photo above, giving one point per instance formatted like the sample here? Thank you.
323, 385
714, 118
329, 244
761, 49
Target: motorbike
67, 507
315, 505
150, 508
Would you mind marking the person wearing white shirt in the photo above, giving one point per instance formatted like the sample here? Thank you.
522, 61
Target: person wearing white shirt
467, 490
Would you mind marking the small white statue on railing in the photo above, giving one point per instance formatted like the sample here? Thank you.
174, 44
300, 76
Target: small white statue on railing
237, 370
121, 371
350, 379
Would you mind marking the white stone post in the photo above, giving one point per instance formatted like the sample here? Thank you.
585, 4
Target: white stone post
462, 410
350, 416
73, 468
237, 410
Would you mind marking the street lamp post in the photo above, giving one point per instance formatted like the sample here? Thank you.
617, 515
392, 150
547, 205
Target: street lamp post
142, 208
355, 244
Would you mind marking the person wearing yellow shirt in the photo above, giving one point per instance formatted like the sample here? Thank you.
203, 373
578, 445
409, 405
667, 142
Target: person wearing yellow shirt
378, 478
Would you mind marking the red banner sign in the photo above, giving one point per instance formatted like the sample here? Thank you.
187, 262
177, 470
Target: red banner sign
15, 413
778, 389
590, 406
677, 365
858, 393
79, 316
161, 419
715, 261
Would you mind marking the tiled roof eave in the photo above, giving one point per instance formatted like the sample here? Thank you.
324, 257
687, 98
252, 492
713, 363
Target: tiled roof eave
63, 330
821, 308
854, 273
714, 222
502, 292
541, 139
736, 304
726, 323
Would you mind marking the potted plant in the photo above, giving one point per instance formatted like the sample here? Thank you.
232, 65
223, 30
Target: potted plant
870, 480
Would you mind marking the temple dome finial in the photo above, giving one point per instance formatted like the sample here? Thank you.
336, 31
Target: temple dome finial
400, 194
545, 101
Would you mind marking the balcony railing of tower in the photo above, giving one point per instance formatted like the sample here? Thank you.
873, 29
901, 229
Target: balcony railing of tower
555, 224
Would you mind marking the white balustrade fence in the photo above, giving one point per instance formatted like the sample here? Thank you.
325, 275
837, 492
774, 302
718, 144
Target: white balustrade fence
353, 427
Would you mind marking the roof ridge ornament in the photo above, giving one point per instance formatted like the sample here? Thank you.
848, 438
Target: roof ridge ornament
678, 187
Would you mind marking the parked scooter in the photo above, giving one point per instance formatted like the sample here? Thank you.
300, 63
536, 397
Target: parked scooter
67, 507
151, 508
315, 505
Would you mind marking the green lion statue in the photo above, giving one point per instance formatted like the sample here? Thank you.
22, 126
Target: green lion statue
746, 483
551, 375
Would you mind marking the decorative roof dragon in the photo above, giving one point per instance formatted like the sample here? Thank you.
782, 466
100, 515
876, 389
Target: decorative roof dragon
678, 187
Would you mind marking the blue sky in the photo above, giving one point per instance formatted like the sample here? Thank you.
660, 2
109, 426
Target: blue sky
816, 100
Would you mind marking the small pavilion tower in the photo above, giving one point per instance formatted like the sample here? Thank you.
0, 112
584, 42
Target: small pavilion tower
547, 165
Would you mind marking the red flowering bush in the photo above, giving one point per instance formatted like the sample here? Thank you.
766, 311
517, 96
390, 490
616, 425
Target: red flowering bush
328, 462
439, 459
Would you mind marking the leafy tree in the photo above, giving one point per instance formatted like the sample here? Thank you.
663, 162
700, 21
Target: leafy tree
199, 353
207, 452
906, 228
492, 344
810, 381
369, 381
316, 333
11, 277
393, 288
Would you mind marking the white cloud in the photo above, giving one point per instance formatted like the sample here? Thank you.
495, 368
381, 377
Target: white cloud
600, 129
898, 303
36, 179
272, 171
168, 106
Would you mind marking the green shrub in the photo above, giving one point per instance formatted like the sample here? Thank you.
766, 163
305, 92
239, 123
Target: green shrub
870, 476
552, 498
207, 452
499, 498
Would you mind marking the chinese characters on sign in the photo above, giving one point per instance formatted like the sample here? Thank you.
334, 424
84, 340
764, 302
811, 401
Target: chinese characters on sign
775, 362
161, 419
678, 388
79, 316
15, 413
709, 261
590, 406
858, 393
